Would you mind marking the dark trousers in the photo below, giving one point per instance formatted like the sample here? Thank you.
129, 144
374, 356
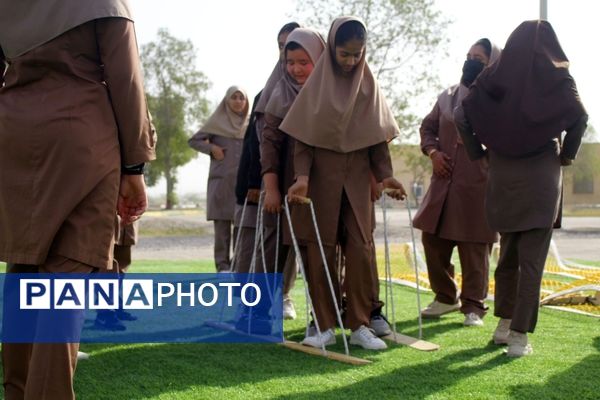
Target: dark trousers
519, 277
474, 262
223, 237
41, 371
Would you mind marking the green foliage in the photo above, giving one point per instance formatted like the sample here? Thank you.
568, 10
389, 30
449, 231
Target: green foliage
175, 92
406, 38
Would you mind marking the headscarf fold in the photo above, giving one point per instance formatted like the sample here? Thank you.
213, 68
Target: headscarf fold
337, 112
224, 122
27, 24
287, 89
528, 97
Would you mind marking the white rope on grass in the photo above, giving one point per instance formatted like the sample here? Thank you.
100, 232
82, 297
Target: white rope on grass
309, 303
238, 236
388, 269
331, 288
414, 246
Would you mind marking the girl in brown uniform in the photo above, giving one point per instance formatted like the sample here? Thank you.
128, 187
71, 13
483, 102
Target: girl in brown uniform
222, 138
341, 124
518, 109
73, 126
452, 213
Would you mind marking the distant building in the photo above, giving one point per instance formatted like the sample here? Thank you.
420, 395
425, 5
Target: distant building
581, 180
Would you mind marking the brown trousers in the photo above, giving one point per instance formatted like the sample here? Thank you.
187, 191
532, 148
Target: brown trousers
475, 266
360, 281
519, 277
223, 236
286, 261
40, 371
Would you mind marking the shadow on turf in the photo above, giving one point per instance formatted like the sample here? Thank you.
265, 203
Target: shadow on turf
142, 371
579, 381
425, 379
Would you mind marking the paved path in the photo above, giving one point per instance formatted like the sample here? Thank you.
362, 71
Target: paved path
579, 239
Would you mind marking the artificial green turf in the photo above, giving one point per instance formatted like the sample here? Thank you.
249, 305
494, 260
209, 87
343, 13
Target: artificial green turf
565, 364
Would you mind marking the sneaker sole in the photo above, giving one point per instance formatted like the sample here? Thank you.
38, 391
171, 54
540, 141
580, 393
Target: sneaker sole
367, 348
517, 355
303, 343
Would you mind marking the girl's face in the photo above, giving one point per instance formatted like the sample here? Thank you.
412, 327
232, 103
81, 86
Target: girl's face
477, 52
298, 65
237, 102
349, 54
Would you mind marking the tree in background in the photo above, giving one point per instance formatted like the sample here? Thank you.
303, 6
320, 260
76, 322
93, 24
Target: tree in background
406, 38
176, 99
586, 167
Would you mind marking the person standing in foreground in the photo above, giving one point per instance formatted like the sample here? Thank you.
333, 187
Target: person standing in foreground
452, 213
222, 138
518, 108
74, 136
342, 125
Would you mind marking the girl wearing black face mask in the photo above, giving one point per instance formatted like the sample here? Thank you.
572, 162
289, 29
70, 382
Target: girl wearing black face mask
456, 195
477, 58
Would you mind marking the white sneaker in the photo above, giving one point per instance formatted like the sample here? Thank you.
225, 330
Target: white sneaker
366, 338
380, 326
500, 335
289, 312
472, 319
518, 345
437, 309
325, 339
82, 356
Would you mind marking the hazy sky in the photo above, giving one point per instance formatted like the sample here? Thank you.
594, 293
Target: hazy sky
236, 44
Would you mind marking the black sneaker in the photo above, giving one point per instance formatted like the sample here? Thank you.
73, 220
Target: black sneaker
107, 320
125, 316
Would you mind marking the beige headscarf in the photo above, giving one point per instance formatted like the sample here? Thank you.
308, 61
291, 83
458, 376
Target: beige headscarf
287, 89
27, 24
224, 122
340, 113
447, 104
277, 73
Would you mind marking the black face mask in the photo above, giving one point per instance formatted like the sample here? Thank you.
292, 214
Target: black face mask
471, 69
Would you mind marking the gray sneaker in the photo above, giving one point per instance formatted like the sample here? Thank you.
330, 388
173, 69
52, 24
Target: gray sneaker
365, 338
502, 330
380, 325
324, 339
518, 345
472, 319
437, 309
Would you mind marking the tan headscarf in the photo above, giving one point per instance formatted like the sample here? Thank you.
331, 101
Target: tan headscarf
340, 113
287, 89
224, 122
447, 104
27, 24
